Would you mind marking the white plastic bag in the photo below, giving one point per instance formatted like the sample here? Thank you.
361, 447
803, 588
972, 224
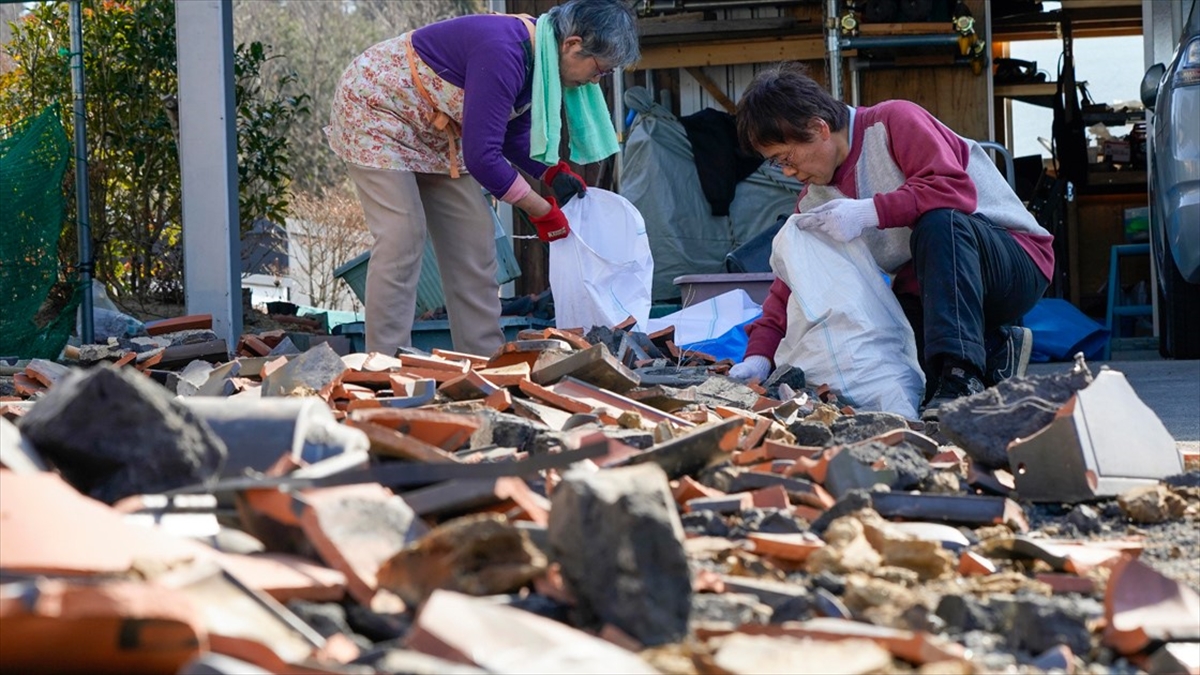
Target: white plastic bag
601, 273
845, 327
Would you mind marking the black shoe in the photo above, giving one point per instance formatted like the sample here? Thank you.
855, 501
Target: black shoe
954, 384
1008, 356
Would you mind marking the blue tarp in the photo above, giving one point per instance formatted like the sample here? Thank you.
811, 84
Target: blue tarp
1060, 331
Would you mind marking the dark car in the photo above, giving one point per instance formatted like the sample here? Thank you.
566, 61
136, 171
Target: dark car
1173, 93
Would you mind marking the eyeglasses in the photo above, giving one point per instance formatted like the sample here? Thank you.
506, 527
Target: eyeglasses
600, 70
781, 162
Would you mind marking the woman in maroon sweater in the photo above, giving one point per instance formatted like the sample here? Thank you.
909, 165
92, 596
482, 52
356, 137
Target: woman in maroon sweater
973, 259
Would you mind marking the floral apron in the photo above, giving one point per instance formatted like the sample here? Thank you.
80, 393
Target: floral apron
392, 111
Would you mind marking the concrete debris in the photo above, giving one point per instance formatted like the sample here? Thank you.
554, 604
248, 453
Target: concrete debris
573, 503
113, 433
1083, 452
1152, 504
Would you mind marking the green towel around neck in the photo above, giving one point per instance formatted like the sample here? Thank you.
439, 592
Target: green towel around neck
588, 120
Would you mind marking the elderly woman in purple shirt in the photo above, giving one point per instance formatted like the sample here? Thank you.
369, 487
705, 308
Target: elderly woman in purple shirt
428, 120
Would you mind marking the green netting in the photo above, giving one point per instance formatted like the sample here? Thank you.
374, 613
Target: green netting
33, 158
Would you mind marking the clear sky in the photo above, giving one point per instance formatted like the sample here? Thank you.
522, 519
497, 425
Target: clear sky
1112, 67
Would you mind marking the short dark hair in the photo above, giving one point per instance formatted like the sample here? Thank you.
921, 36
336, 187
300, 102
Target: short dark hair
608, 28
780, 105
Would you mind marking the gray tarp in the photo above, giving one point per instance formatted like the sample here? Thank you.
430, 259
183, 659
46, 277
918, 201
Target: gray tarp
659, 177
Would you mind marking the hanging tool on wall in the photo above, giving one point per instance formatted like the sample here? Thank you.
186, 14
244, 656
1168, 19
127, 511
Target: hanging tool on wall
969, 42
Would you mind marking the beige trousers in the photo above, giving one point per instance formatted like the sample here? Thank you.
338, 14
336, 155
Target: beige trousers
400, 207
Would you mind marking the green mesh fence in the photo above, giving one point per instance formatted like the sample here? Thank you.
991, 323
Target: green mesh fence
33, 157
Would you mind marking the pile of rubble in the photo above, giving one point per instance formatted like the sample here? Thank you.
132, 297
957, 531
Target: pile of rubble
598, 503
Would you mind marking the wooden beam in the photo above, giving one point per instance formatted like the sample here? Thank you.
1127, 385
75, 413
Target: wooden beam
712, 89
807, 48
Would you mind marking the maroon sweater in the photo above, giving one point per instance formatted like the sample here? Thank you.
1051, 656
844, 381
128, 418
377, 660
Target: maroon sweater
938, 173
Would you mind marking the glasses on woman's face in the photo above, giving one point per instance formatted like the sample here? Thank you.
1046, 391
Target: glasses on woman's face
601, 71
781, 161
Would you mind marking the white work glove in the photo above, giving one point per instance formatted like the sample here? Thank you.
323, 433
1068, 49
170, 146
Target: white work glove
754, 367
841, 219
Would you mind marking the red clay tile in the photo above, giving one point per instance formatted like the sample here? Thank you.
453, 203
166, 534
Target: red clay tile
1141, 606
773, 497
540, 393
479, 632
749, 457
35, 506
468, 386
807, 513
913, 646
790, 547
178, 323
507, 376
376, 378
473, 360
755, 435
27, 386
113, 626
972, 564
433, 363
688, 488
286, 577
781, 450
276, 504
335, 523
391, 443
1067, 583
448, 431
500, 400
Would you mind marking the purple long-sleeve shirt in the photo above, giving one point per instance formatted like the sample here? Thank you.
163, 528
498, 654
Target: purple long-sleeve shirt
489, 57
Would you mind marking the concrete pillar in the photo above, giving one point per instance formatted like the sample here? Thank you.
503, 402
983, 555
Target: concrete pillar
208, 161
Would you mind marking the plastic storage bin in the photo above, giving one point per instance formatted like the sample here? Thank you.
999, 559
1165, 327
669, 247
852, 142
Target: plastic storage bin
696, 288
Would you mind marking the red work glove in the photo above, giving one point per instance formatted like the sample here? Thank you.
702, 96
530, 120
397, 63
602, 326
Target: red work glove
565, 182
553, 225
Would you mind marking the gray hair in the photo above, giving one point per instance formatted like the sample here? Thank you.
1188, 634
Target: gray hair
608, 29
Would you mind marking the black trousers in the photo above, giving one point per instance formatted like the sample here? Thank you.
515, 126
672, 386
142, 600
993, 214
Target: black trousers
974, 280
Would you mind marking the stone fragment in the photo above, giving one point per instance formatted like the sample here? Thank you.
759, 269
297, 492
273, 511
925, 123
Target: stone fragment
852, 501
160, 446
506, 430
740, 654
846, 550
705, 523
482, 554
722, 391
729, 608
878, 601
964, 613
815, 434
1151, 504
617, 535
864, 425
1040, 624
984, 424
1085, 519
312, 373
691, 453
771, 521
